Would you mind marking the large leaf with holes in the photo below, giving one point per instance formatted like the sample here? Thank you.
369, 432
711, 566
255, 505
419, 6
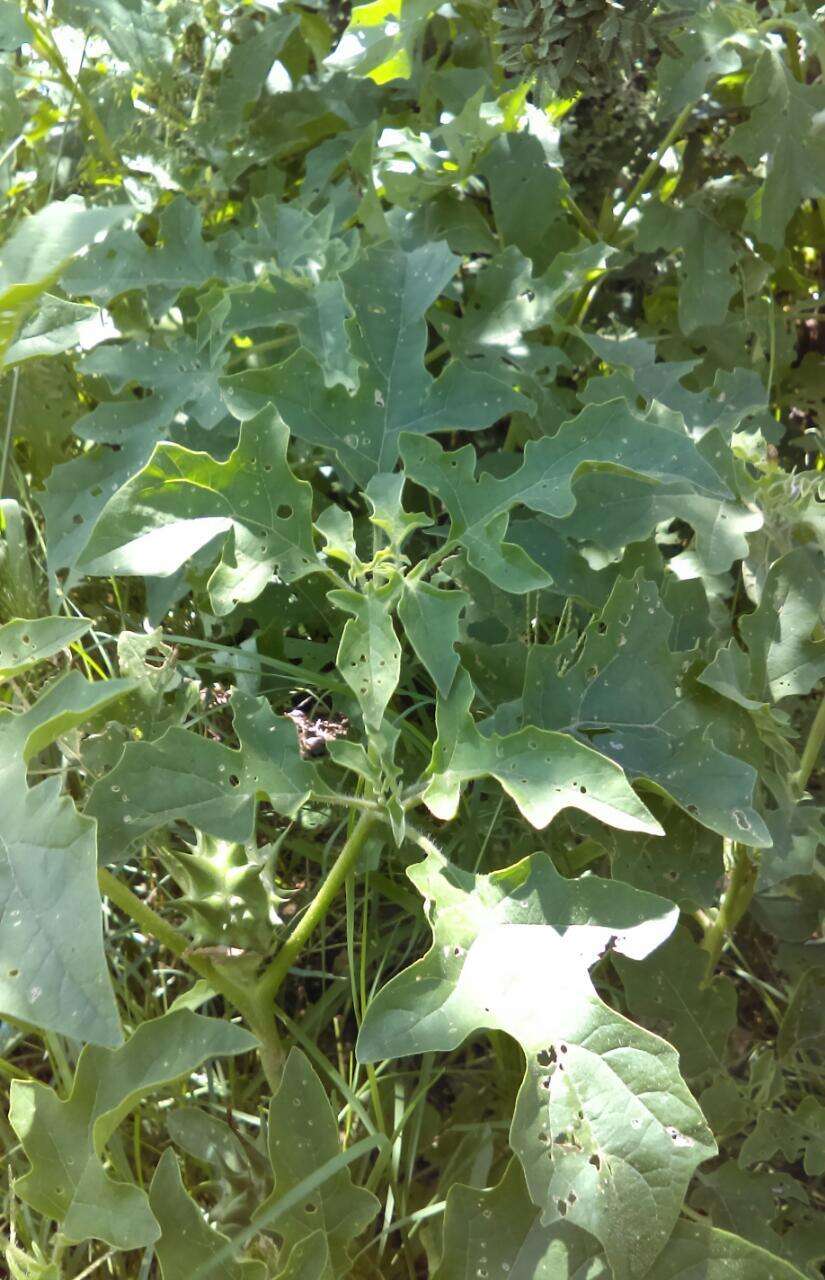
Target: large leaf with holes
610, 436
544, 772
173, 379
65, 1139
604, 1127
53, 970
302, 1136
389, 291
215, 788
637, 701
251, 505
499, 1231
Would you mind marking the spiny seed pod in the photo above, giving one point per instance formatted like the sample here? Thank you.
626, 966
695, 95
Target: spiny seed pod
223, 894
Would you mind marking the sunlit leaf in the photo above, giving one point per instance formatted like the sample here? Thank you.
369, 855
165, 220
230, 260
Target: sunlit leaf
605, 1128
544, 772
252, 506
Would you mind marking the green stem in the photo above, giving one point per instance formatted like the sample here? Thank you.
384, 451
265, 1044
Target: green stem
344, 864
585, 225
11, 1072
46, 47
434, 559
650, 172
348, 802
810, 752
155, 926
741, 883
423, 841
207, 67
255, 349
273, 664
15, 378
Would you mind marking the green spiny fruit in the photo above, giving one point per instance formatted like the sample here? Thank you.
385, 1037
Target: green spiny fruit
223, 896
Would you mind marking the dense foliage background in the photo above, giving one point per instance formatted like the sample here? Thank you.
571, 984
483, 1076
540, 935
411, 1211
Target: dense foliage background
411, 628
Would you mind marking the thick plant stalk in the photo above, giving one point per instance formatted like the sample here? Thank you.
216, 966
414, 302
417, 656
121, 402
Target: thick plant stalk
741, 882
811, 750
344, 864
650, 172
743, 871
153, 924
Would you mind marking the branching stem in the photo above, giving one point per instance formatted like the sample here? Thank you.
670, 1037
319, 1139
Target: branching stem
741, 882
650, 172
154, 925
